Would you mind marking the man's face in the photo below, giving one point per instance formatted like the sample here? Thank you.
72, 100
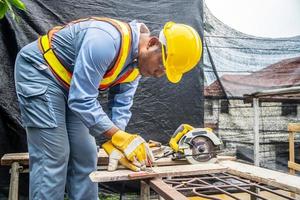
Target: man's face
150, 60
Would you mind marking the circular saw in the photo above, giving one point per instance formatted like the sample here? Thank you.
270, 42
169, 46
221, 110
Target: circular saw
196, 145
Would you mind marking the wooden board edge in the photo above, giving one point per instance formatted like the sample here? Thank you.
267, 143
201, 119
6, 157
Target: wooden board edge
264, 180
166, 191
294, 127
165, 171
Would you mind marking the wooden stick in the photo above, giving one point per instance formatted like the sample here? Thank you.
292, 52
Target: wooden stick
14, 182
145, 191
23, 159
262, 175
164, 190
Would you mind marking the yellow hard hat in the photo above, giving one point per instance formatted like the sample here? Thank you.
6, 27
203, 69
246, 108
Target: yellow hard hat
181, 49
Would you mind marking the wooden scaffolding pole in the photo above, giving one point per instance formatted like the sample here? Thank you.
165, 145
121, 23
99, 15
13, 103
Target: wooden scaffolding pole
256, 131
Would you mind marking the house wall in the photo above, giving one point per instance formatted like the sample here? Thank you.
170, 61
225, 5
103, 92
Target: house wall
236, 128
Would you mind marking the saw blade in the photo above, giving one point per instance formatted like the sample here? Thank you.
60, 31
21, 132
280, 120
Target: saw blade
201, 149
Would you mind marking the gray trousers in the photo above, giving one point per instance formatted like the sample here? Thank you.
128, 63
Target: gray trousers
62, 153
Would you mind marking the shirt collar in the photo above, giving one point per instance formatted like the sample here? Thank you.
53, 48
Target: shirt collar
135, 27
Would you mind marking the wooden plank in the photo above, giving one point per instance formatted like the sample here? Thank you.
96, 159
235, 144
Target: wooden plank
256, 131
166, 191
23, 159
291, 149
145, 191
222, 158
10, 158
103, 160
163, 171
262, 175
294, 127
14, 182
294, 166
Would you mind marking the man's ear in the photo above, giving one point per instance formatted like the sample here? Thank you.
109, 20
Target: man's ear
144, 29
153, 41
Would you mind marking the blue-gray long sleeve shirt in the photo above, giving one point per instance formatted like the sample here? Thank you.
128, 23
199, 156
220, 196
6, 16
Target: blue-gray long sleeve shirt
87, 49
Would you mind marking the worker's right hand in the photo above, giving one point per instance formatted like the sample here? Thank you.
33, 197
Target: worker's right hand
133, 146
116, 156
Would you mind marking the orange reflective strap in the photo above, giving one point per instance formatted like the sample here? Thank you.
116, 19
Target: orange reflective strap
128, 77
111, 77
59, 70
131, 76
124, 51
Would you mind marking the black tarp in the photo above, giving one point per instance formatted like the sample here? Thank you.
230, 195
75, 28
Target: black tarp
159, 107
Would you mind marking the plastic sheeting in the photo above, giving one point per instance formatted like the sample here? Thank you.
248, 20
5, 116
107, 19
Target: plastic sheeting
242, 62
159, 107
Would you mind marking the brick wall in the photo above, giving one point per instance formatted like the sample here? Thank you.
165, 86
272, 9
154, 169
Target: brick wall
235, 128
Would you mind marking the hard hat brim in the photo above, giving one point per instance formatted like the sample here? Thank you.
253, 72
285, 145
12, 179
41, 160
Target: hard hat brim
173, 77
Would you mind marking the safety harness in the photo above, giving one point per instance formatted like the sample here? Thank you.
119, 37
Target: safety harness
112, 76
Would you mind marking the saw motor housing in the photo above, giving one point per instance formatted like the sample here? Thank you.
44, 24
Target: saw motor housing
199, 145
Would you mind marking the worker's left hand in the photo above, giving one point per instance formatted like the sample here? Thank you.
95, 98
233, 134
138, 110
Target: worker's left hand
116, 156
134, 147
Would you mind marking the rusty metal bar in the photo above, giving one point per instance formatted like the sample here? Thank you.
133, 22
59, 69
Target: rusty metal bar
205, 196
221, 190
211, 187
187, 183
242, 189
192, 185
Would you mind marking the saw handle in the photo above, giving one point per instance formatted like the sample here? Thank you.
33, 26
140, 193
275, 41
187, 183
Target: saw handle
178, 134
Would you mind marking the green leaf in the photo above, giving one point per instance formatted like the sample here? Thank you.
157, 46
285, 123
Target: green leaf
3, 9
12, 13
19, 4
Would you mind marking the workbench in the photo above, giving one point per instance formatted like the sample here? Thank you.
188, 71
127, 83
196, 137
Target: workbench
166, 172
162, 179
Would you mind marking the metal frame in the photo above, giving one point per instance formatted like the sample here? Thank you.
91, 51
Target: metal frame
206, 185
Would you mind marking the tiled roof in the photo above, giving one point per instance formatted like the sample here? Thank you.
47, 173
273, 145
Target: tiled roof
282, 74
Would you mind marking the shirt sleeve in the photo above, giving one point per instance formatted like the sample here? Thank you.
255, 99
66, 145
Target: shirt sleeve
96, 53
120, 100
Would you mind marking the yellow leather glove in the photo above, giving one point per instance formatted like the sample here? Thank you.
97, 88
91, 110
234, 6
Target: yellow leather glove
134, 147
116, 156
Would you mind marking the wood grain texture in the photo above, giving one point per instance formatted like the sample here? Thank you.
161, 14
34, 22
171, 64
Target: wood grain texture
262, 175
10, 158
23, 159
162, 171
166, 191
294, 127
145, 191
294, 166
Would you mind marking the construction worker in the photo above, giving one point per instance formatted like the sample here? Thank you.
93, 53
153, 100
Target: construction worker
58, 78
